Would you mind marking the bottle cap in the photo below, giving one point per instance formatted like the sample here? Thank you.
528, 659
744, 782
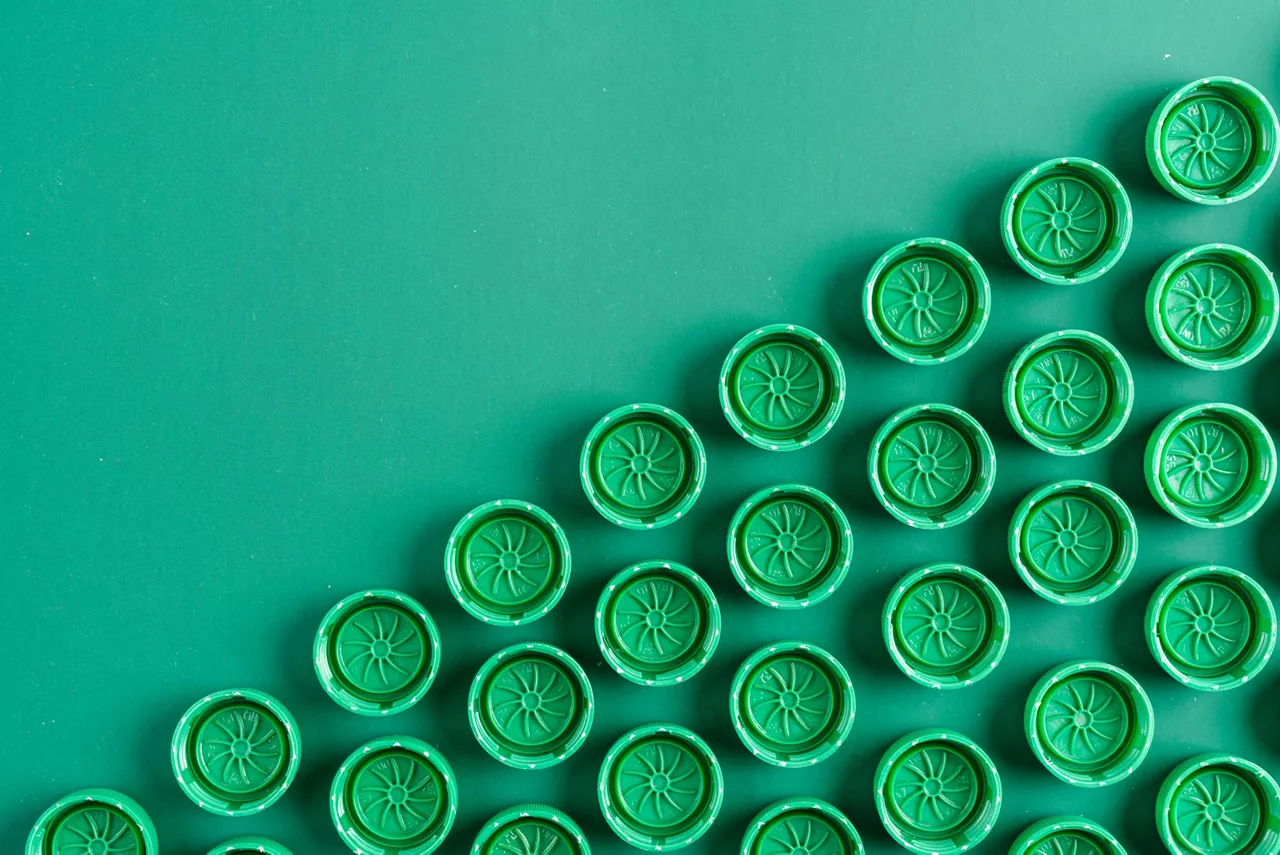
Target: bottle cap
377, 652
801, 824
1067, 220
75, 822
937, 792
1212, 307
643, 466
1216, 804
1055, 834
531, 830
789, 546
657, 623
251, 846
927, 301
1068, 392
1089, 723
507, 562
1213, 141
394, 794
660, 787
1211, 465
531, 705
932, 466
235, 752
946, 625
1073, 542
781, 387
1211, 627
792, 704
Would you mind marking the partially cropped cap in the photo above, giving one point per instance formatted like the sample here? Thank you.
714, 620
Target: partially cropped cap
782, 387
1056, 834
531, 705
1211, 628
250, 846
91, 821
931, 466
643, 466
1089, 723
801, 824
1213, 141
1068, 392
532, 829
1073, 542
236, 752
1212, 307
660, 787
1211, 465
395, 794
1217, 804
1066, 221
927, 301
937, 792
507, 562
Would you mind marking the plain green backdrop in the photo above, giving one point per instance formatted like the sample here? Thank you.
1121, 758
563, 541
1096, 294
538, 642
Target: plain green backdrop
288, 287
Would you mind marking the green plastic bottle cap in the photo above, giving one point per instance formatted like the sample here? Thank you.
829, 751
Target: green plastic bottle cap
1212, 141
789, 546
937, 792
657, 623
94, 820
643, 466
1089, 723
507, 562
660, 787
531, 830
1213, 306
1056, 835
792, 704
377, 652
235, 752
782, 387
1216, 804
1068, 392
946, 625
1067, 220
250, 846
931, 465
531, 705
927, 301
1073, 542
1212, 465
396, 795
801, 825
1211, 627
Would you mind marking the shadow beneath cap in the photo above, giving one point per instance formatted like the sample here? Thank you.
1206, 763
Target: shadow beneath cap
1262, 714
993, 545
844, 290
850, 485
1266, 546
984, 397
981, 233
1128, 628
1126, 154
1127, 475
700, 399
1006, 729
1130, 333
1263, 400
1136, 828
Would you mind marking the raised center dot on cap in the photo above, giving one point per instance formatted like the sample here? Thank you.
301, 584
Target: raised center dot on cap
1067, 538
398, 795
531, 700
509, 560
381, 649
1204, 623
659, 783
640, 463
927, 463
779, 385
933, 786
1215, 811
1202, 462
922, 300
1083, 718
240, 748
1061, 391
941, 622
1206, 141
790, 699
655, 618
97, 847
1061, 220
786, 541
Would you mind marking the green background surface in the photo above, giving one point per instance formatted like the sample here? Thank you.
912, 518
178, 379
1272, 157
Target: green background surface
288, 288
